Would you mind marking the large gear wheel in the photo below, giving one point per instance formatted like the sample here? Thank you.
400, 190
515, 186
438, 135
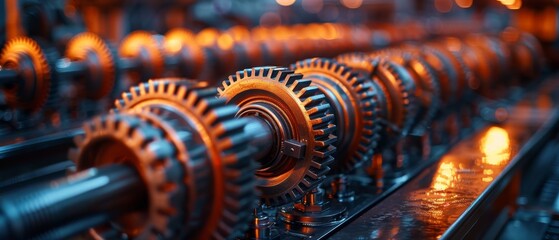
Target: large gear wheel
214, 126
146, 48
352, 100
128, 139
100, 78
295, 110
193, 58
33, 87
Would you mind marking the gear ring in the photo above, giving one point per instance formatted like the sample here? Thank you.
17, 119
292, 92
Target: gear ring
225, 142
126, 138
147, 48
101, 75
32, 90
357, 107
301, 109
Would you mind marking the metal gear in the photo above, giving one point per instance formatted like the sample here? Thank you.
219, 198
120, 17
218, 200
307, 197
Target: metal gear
32, 90
351, 97
527, 54
126, 139
192, 56
100, 78
295, 110
214, 126
146, 48
428, 89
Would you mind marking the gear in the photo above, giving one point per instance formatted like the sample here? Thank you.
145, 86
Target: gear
193, 59
399, 81
127, 139
33, 88
295, 110
354, 108
214, 126
146, 48
427, 86
100, 78
526, 51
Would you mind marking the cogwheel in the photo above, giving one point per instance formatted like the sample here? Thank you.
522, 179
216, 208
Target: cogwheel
214, 126
428, 89
354, 108
146, 48
399, 81
32, 90
126, 138
100, 78
193, 58
295, 110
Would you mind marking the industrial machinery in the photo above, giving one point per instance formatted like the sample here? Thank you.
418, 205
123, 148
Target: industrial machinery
279, 119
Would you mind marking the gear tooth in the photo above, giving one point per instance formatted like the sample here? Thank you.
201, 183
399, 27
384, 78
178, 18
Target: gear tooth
308, 92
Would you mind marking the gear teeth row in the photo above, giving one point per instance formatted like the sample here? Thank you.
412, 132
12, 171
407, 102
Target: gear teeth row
315, 108
229, 139
153, 153
357, 84
14, 52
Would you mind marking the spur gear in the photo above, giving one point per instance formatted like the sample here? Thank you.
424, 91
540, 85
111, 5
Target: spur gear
126, 139
295, 110
100, 77
213, 125
354, 109
33, 88
146, 48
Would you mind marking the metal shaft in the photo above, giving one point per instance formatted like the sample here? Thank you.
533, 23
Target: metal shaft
66, 67
94, 196
8, 76
261, 136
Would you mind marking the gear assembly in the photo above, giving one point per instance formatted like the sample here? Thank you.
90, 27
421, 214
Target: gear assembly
155, 121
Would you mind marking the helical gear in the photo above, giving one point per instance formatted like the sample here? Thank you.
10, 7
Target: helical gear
33, 88
146, 48
303, 111
364, 136
101, 75
127, 139
214, 125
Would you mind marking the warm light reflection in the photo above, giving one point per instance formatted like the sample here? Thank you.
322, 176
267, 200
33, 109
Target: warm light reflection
285, 2
464, 3
352, 3
511, 4
225, 42
495, 146
207, 37
445, 177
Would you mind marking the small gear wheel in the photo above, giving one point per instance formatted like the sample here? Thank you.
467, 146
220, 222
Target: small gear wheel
100, 77
33, 87
146, 48
214, 126
295, 110
127, 139
354, 108
192, 57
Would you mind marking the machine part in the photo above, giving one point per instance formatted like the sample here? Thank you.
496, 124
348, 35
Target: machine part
146, 48
527, 54
294, 110
314, 211
214, 126
32, 89
475, 59
126, 139
99, 79
352, 103
192, 57
401, 86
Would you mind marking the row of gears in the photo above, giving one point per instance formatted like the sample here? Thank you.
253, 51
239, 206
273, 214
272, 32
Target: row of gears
179, 160
33, 78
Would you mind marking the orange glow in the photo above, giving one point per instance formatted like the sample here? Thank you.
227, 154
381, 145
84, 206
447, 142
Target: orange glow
516, 5
495, 146
207, 37
464, 3
445, 177
225, 41
352, 3
443, 6
285, 2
